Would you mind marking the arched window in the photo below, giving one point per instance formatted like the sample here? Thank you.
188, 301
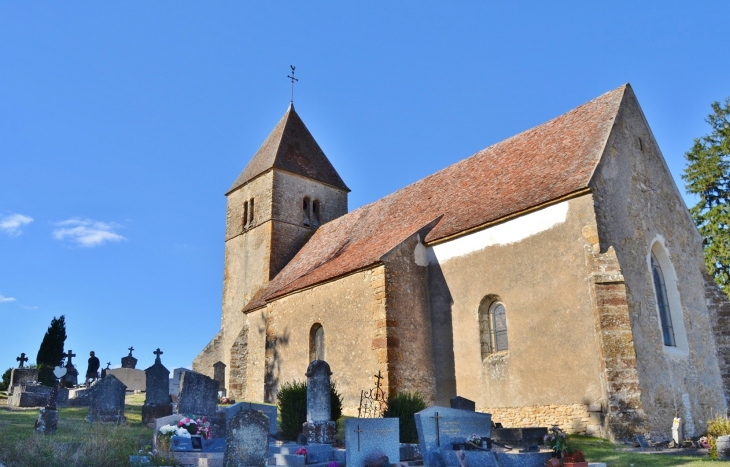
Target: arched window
305, 212
316, 342
662, 301
492, 326
250, 213
315, 213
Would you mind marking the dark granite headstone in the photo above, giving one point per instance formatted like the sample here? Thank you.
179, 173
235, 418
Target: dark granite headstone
462, 403
198, 394
522, 438
247, 439
219, 374
641, 439
129, 361
22, 376
157, 403
319, 427
371, 437
106, 401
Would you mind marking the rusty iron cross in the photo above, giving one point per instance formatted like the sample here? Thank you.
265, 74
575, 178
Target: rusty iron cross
292, 78
358, 431
438, 431
22, 359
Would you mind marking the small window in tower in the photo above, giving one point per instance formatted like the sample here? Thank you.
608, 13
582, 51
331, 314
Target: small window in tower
250, 214
244, 215
492, 326
305, 212
315, 213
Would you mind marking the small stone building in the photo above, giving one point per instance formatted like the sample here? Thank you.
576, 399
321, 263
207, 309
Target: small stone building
554, 278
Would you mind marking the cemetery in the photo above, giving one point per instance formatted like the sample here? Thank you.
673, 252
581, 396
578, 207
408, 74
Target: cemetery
180, 421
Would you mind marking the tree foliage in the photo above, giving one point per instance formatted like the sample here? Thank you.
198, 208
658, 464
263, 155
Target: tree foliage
51, 350
6, 380
708, 175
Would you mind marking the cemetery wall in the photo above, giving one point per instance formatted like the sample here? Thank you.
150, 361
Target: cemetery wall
407, 325
638, 205
211, 353
573, 418
536, 266
349, 310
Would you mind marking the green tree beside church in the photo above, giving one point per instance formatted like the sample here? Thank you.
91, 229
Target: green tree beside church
708, 175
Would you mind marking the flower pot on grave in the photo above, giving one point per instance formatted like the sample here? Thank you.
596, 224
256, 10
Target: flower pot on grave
575, 464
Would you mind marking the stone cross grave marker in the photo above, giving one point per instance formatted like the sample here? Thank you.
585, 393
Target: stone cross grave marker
157, 402
319, 428
72, 374
366, 438
440, 427
198, 394
463, 403
22, 359
106, 401
219, 374
247, 439
129, 361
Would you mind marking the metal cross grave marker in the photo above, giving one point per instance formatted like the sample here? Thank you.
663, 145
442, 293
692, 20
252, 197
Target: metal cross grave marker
438, 431
358, 431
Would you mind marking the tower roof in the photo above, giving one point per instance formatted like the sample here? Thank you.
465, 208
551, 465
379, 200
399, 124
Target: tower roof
291, 147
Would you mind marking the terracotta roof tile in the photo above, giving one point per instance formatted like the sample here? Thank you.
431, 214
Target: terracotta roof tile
539, 165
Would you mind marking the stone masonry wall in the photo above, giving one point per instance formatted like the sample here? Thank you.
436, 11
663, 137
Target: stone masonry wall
408, 320
349, 310
572, 418
719, 306
639, 210
210, 354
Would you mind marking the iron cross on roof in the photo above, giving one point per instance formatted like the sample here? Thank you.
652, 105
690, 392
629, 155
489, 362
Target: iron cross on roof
130, 351
158, 352
292, 81
22, 359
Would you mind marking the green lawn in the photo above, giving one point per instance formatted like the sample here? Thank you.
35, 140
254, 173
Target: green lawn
601, 450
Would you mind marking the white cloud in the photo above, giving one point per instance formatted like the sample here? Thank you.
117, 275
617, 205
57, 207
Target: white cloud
4, 299
86, 232
12, 223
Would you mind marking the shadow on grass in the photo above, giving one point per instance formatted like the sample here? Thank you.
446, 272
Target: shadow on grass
75, 443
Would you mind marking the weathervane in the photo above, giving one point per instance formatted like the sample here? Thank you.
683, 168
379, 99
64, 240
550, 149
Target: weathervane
292, 81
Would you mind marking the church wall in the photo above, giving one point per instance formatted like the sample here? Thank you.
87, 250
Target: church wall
408, 320
536, 265
637, 204
349, 309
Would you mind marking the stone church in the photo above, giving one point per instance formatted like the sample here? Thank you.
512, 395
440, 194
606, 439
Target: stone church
554, 278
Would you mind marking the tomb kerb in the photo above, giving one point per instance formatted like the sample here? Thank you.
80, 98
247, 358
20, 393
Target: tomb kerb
319, 428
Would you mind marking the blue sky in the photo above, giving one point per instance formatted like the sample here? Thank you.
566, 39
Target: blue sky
123, 124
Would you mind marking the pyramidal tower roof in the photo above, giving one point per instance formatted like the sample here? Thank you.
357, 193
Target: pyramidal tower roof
292, 148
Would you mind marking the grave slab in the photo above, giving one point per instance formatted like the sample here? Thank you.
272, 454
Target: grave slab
247, 439
198, 394
463, 403
269, 410
106, 401
135, 380
368, 438
21, 377
439, 427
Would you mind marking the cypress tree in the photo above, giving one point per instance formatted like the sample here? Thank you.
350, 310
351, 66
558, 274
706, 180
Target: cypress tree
50, 353
708, 175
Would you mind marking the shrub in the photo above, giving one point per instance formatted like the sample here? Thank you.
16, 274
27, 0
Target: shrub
404, 406
6, 380
719, 426
293, 407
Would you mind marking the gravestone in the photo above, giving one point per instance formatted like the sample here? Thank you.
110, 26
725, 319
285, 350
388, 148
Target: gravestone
72, 375
31, 395
247, 439
198, 394
439, 428
157, 402
106, 401
462, 403
134, 379
129, 361
523, 438
269, 410
319, 428
175, 381
47, 421
21, 377
367, 438
219, 374
22, 359
104, 370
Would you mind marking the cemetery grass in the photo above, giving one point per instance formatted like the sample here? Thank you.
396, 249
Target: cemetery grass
615, 455
75, 443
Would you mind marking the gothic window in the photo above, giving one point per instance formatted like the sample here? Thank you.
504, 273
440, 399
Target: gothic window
662, 301
244, 216
250, 213
305, 212
316, 342
315, 213
492, 326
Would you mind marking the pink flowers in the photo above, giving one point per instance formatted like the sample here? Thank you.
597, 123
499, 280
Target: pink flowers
198, 426
302, 452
